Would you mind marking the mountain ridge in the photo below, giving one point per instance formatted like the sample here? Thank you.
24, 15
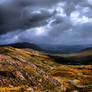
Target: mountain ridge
52, 49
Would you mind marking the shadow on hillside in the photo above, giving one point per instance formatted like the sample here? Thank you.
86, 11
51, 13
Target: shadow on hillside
7, 74
72, 60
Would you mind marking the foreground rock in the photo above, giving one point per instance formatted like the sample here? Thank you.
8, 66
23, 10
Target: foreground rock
23, 69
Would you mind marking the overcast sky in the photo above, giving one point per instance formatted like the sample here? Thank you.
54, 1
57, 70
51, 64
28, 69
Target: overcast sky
65, 22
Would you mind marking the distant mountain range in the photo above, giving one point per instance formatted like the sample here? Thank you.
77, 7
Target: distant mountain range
54, 49
23, 45
63, 49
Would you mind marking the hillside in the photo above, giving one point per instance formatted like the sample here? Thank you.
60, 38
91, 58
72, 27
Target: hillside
27, 70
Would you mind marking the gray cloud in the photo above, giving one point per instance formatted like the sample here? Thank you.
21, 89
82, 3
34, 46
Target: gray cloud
46, 21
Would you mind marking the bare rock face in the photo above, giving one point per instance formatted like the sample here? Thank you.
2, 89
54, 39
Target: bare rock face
28, 70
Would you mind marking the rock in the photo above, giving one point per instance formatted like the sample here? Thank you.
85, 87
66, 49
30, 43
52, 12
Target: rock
19, 75
30, 89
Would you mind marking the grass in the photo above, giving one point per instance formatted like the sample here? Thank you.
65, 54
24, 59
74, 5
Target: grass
23, 69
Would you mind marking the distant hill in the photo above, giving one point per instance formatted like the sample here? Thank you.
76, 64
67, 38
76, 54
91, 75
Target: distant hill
24, 45
82, 57
63, 49
51, 49
82, 53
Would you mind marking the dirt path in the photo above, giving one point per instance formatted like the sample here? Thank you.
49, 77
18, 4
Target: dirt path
75, 84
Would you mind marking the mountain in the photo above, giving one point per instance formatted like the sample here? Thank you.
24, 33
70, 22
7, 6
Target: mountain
50, 48
24, 45
63, 49
26, 70
82, 57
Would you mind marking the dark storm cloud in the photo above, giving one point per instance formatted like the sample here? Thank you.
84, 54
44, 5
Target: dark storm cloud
17, 14
46, 21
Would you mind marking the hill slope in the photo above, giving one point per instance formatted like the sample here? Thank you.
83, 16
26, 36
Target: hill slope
24, 45
24, 69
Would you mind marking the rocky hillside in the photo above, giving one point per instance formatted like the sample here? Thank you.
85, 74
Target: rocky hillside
24, 70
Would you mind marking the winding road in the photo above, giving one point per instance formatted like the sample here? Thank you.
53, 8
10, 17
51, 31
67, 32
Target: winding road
75, 84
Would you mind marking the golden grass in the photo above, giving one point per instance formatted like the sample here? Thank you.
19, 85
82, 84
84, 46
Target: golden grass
44, 73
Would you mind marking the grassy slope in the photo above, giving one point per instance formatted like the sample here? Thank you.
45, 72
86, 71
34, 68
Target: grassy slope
37, 72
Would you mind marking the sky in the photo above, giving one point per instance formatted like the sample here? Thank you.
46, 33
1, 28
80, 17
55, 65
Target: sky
65, 22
